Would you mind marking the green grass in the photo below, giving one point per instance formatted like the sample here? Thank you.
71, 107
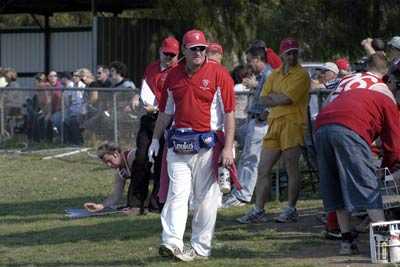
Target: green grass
34, 231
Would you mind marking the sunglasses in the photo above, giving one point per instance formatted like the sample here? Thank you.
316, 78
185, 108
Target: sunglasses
197, 48
169, 54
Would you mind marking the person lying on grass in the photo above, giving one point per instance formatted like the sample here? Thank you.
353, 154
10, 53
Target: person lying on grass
122, 161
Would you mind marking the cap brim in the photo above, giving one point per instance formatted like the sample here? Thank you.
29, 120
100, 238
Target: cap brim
394, 44
290, 49
195, 44
334, 71
169, 50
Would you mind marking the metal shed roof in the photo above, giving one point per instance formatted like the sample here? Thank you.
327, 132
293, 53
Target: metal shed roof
48, 7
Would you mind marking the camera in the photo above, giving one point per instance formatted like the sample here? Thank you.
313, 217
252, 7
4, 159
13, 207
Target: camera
378, 44
361, 65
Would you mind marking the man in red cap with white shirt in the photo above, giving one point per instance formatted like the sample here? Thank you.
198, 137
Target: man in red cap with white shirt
154, 78
200, 100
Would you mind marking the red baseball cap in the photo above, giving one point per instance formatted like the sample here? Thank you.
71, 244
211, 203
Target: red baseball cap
287, 45
170, 45
343, 63
194, 38
215, 47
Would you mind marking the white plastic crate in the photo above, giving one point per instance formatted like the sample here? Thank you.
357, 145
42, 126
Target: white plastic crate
389, 190
385, 242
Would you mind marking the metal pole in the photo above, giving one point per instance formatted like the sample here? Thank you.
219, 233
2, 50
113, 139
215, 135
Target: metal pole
2, 114
62, 116
115, 117
94, 35
47, 44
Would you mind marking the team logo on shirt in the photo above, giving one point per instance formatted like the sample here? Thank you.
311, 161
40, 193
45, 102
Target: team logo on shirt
204, 85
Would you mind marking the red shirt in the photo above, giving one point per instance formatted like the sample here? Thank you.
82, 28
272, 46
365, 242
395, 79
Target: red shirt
56, 97
364, 80
155, 78
273, 59
370, 114
198, 101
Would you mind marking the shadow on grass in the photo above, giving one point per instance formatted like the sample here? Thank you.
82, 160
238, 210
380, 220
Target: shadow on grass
133, 262
114, 229
294, 240
51, 206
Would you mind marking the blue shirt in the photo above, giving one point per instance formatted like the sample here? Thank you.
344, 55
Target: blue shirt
256, 107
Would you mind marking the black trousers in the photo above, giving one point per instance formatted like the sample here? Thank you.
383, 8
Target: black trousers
141, 167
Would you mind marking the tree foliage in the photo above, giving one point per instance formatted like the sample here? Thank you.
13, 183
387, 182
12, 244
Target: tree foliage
325, 28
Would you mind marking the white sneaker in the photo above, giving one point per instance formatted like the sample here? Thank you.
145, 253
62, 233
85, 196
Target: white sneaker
232, 201
191, 252
175, 253
253, 216
287, 215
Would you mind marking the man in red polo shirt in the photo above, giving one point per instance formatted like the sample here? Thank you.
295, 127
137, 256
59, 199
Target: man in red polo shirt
200, 100
154, 78
346, 128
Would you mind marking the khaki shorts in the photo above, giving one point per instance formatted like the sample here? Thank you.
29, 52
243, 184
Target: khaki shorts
284, 133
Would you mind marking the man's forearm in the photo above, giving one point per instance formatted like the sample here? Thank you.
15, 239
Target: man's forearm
229, 126
163, 120
275, 99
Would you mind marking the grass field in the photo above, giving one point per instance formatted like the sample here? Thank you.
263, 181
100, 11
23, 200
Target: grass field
34, 231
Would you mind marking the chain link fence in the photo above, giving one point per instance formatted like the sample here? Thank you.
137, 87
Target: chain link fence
54, 117
32, 118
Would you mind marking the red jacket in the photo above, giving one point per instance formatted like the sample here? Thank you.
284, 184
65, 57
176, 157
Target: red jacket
370, 114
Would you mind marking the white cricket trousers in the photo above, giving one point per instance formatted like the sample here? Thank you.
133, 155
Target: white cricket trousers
190, 173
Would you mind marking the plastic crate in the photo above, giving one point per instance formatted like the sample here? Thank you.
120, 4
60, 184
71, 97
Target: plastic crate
385, 242
389, 189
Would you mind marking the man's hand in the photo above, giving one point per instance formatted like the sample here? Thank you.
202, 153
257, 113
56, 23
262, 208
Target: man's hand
250, 82
367, 44
153, 149
149, 108
93, 207
135, 102
227, 157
